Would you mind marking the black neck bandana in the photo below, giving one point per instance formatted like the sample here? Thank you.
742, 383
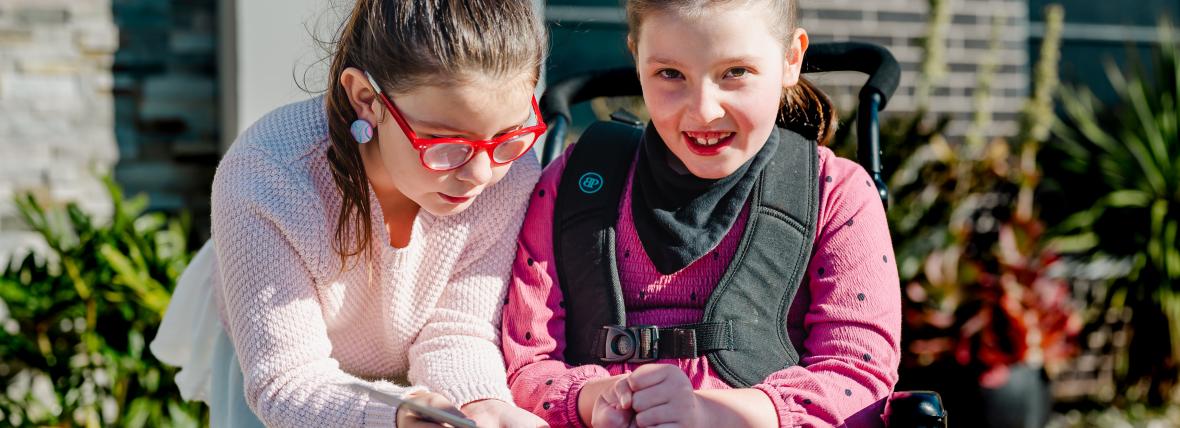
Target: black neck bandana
680, 217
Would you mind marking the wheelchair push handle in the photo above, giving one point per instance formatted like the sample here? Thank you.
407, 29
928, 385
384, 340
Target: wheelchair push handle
555, 103
884, 76
873, 60
876, 61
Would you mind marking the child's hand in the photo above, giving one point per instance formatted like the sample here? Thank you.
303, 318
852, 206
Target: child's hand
405, 417
496, 413
612, 409
661, 394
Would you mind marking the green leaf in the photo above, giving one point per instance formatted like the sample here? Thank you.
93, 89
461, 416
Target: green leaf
1128, 199
181, 417
138, 413
1157, 151
1073, 244
153, 295
1172, 252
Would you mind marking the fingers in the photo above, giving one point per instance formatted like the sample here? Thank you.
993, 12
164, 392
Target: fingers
622, 391
653, 374
662, 414
618, 394
646, 376
407, 416
660, 395
607, 415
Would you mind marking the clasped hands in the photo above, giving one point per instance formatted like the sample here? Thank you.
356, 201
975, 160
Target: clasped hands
654, 395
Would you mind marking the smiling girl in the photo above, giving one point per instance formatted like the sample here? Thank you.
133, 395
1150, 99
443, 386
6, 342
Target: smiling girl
746, 277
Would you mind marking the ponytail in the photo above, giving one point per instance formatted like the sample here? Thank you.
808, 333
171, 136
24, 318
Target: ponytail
809, 112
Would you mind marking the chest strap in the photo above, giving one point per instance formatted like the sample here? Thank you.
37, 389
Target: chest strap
643, 343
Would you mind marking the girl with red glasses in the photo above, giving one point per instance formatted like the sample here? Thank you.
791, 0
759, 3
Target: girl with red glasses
363, 240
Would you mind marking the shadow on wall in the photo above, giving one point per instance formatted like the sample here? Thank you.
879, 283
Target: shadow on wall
165, 96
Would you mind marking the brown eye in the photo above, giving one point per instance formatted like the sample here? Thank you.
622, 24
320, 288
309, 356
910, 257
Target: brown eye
737, 72
668, 73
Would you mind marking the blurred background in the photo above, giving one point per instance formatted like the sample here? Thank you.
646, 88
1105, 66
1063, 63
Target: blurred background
1031, 153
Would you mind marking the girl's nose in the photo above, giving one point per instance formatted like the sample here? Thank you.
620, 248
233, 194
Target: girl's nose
478, 170
707, 105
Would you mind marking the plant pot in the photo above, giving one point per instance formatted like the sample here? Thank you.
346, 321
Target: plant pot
1024, 401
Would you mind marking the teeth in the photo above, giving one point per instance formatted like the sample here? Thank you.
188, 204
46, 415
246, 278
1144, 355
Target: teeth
709, 141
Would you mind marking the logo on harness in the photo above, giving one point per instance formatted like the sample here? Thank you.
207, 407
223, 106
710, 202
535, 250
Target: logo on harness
590, 183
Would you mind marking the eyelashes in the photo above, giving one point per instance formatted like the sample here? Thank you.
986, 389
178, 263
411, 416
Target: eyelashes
732, 73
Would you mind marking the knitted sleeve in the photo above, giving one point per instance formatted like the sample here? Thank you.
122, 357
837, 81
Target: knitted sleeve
271, 307
852, 347
457, 352
534, 318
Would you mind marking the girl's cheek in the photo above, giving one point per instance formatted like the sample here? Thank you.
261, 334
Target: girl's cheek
663, 104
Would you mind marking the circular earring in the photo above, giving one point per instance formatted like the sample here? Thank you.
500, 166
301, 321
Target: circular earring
362, 131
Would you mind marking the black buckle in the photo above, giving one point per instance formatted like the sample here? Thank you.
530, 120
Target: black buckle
635, 344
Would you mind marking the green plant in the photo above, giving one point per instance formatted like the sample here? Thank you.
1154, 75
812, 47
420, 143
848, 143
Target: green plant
972, 250
78, 319
1122, 166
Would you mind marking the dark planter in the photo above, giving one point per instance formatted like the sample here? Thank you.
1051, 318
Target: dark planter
1023, 401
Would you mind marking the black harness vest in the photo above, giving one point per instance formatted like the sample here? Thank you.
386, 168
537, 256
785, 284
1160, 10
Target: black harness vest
743, 330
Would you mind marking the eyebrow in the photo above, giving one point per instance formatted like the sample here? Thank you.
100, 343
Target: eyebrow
447, 129
726, 60
662, 60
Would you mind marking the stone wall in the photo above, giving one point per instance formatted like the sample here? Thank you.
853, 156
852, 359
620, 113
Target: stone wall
96, 87
56, 120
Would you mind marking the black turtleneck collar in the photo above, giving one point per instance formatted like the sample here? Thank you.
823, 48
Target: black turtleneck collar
681, 217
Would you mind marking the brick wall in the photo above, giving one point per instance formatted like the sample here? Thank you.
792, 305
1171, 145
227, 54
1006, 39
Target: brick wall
589, 34
56, 124
901, 25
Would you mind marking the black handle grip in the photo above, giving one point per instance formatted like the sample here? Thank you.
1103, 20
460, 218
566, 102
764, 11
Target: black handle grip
873, 60
616, 82
915, 409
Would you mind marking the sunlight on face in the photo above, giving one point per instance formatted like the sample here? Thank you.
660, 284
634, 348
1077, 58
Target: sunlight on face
476, 110
712, 84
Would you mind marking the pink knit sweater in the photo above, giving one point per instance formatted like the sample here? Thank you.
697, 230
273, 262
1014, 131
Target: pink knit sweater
846, 320
312, 340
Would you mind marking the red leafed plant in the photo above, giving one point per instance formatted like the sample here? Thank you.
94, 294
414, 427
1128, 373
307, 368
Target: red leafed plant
972, 251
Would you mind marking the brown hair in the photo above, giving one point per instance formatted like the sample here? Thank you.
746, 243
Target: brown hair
806, 109
406, 44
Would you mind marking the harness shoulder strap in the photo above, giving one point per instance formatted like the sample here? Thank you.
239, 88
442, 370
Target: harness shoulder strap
585, 213
762, 279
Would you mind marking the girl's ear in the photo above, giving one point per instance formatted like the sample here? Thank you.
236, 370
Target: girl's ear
631, 44
361, 95
793, 58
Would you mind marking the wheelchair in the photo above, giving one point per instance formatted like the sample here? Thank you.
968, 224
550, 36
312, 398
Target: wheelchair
904, 409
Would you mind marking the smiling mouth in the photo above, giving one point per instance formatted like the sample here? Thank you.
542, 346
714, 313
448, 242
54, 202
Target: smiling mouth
707, 143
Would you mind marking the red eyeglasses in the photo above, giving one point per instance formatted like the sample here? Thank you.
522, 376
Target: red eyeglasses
445, 154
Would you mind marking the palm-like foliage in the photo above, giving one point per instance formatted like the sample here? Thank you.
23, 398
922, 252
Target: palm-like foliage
73, 342
1128, 156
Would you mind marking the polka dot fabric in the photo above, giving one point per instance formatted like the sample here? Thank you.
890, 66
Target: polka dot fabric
846, 320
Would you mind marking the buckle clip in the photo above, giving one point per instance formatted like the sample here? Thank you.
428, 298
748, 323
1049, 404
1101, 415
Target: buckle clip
635, 344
